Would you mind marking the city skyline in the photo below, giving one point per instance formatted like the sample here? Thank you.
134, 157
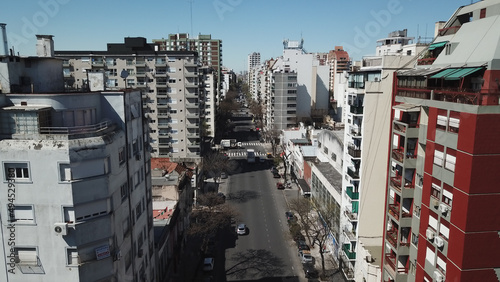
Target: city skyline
243, 27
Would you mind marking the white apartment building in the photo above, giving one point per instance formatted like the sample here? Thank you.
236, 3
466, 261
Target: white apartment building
253, 61
77, 201
368, 109
173, 95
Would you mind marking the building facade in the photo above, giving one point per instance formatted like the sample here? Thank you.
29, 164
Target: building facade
441, 200
253, 61
173, 95
79, 209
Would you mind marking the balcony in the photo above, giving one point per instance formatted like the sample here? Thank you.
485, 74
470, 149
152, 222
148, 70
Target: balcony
395, 209
408, 130
193, 125
454, 95
191, 94
352, 216
355, 133
356, 110
392, 237
390, 261
190, 74
190, 84
351, 255
192, 115
97, 129
354, 174
351, 194
161, 63
350, 235
449, 30
192, 105
398, 155
353, 152
396, 183
425, 61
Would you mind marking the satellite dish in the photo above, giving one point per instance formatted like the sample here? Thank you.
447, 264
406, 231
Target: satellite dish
124, 74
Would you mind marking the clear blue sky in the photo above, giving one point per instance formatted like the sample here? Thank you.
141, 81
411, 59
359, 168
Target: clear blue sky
244, 26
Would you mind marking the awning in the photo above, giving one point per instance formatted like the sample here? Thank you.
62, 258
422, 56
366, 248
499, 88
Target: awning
444, 73
456, 73
461, 73
437, 45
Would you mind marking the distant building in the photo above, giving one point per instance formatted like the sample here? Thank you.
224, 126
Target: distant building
173, 96
209, 50
339, 62
253, 61
80, 207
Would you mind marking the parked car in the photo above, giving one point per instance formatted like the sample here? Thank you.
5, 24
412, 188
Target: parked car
302, 245
289, 215
280, 186
208, 264
241, 229
305, 256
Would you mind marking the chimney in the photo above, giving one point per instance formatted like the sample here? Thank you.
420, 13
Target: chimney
4, 39
44, 46
439, 25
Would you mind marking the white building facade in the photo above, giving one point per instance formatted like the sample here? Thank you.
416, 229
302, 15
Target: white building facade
79, 206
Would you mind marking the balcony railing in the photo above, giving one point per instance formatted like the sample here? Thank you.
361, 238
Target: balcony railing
353, 152
398, 154
391, 261
353, 173
396, 183
449, 30
347, 250
356, 110
426, 61
455, 95
76, 130
392, 237
351, 194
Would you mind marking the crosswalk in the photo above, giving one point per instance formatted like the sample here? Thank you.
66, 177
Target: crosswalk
244, 153
251, 144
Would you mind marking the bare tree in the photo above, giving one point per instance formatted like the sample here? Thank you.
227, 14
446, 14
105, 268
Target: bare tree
316, 223
209, 216
215, 163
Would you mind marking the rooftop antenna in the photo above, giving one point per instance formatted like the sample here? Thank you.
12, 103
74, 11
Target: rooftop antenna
191, 11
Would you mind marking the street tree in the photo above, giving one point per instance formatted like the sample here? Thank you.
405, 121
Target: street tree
213, 164
209, 216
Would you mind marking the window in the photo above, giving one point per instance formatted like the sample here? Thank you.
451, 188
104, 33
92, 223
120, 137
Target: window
91, 210
453, 124
126, 226
17, 171
414, 239
121, 155
482, 13
23, 214
65, 172
450, 162
435, 190
26, 256
325, 149
124, 191
72, 256
138, 210
442, 121
438, 158
69, 214
171, 70
447, 197
334, 157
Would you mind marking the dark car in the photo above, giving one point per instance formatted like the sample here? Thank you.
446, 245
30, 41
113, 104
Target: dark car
289, 215
310, 271
302, 245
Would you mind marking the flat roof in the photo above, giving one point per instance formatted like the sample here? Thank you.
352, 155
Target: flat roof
331, 174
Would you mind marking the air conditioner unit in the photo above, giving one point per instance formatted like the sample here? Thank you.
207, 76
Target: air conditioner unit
61, 228
438, 276
430, 234
439, 242
444, 208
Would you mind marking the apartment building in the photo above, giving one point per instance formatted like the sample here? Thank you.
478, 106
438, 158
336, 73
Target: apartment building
253, 61
442, 207
367, 131
76, 169
209, 49
339, 62
282, 103
173, 96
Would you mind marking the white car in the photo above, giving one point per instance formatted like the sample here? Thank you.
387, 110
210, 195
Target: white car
208, 264
305, 256
241, 229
